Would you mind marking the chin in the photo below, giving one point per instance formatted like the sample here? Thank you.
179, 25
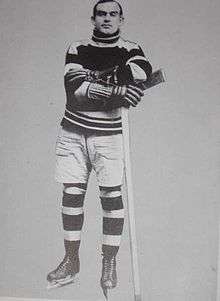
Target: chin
108, 31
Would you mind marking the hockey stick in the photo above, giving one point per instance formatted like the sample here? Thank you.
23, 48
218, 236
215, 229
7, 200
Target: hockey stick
156, 78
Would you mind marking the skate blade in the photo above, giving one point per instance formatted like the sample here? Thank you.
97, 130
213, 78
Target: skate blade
105, 292
61, 283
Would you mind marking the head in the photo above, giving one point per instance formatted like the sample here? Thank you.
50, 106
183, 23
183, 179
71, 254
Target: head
107, 16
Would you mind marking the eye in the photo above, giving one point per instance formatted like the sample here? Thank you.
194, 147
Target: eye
100, 13
114, 14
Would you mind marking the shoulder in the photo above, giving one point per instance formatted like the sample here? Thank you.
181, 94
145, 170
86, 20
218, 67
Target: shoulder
128, 45
73, 48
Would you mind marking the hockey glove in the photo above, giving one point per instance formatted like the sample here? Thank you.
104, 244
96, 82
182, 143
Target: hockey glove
126, 95
133, 95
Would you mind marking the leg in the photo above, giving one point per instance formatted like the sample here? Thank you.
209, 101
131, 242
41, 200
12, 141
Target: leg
113, 221
72, 216
73, 169
108, 163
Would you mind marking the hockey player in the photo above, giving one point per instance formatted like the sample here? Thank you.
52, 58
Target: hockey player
101, 75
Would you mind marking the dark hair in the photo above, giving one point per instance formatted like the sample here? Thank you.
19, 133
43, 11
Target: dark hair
104, 1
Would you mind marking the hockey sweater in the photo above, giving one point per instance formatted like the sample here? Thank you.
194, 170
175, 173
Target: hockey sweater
100, 54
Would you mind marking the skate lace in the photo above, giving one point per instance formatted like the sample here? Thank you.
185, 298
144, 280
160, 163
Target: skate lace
64, 264
109, 267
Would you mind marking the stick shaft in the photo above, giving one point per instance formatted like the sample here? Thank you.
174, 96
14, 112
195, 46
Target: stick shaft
156, 78
130, 205
218, 266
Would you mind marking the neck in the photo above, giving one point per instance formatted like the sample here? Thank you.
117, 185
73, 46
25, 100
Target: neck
105, 38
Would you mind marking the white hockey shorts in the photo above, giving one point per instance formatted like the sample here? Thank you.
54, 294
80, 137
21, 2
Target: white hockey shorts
77, 153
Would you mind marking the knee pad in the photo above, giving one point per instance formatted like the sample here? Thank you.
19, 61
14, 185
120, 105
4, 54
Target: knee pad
73, 200
111, 198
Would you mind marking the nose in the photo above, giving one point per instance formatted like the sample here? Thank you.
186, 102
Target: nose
107, 17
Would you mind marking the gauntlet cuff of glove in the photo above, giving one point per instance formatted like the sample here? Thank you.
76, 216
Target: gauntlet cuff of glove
100, 92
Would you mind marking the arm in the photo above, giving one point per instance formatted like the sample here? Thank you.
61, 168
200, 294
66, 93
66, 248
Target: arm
74, 73
108, 96
86, 90
137, 68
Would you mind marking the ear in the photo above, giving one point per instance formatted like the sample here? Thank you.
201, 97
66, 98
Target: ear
121, 20
93, 20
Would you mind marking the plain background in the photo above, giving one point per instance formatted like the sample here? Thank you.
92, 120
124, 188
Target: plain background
175, 151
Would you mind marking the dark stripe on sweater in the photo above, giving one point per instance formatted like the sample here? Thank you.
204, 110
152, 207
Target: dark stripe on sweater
105, 41
136, 51
101, 37
96, 118
71, 126
146, 66
72, 58
93, 124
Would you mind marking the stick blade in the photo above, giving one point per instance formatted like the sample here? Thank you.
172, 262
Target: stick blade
156, 78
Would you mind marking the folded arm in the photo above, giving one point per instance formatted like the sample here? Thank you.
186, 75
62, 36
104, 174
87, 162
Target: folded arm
137, 67
101, 90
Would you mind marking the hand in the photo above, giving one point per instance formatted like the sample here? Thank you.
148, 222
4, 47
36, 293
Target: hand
119, 95
133, 95
107, 75
79, 75
130, 94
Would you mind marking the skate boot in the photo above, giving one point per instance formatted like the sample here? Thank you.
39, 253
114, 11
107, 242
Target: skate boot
65, 272
109, 275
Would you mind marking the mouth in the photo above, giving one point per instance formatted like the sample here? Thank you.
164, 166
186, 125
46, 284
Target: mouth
106, 26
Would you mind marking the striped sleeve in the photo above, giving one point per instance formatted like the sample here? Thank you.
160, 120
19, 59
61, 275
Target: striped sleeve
72, 59
76, 82
74, 73
136, 68
138, 64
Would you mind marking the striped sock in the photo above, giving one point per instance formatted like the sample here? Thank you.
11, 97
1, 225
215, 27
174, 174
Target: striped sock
113, 219
72, 217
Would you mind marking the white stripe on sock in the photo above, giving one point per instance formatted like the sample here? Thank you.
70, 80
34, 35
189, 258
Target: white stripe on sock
72, 211
74, 190
109, 194
114, 213
72, 235
111, 240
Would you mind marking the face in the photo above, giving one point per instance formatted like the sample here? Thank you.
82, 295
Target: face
107, 19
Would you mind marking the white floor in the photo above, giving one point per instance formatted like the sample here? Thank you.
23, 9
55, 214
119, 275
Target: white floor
28, 299
25, 299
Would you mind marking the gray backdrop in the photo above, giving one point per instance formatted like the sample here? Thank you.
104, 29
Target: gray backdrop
175, 151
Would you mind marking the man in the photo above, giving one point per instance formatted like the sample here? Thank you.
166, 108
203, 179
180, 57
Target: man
102, 74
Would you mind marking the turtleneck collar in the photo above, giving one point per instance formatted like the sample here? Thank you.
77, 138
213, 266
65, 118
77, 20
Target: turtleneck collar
104, 38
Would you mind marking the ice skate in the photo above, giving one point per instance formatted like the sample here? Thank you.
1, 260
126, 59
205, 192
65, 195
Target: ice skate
109, 275
65, 273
